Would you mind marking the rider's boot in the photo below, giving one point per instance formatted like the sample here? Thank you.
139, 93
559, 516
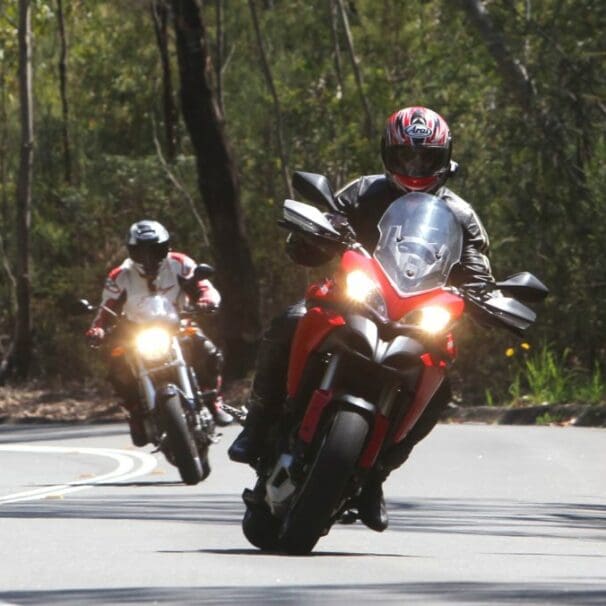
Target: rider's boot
247, 447
137, 430
371, 504
205, 468
221, 417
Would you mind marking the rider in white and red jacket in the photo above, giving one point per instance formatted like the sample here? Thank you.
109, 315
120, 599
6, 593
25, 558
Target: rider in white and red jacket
152, 267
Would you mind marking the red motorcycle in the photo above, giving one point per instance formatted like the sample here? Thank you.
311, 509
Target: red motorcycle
367, 357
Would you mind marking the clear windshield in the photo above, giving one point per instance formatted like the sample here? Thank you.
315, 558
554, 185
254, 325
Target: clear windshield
152, 309
420, 240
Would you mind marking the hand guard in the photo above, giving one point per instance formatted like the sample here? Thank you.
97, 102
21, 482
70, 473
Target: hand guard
207, 307
341, 224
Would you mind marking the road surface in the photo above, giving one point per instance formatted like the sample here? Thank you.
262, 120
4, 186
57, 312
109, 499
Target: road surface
479, 515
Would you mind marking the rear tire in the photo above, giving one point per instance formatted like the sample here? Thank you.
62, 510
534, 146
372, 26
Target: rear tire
326, 482
181, 441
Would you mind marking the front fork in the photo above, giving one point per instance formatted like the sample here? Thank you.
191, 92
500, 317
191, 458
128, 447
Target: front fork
186, 386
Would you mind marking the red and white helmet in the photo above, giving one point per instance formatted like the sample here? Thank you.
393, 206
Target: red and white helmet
416, 148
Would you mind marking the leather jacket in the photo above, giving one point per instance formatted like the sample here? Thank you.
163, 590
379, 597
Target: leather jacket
363, 201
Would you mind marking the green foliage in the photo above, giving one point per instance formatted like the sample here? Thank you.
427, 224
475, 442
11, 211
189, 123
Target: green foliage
535, 175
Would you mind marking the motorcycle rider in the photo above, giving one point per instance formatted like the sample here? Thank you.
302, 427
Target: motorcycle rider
152, 267
416, 152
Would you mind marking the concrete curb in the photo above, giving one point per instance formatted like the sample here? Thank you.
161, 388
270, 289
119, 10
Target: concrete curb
579, 415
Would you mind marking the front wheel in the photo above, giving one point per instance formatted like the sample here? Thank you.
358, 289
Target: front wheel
181, 441
323, 490
261, 528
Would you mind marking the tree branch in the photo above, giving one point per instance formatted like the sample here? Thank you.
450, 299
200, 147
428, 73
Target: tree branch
272, 89
173, 179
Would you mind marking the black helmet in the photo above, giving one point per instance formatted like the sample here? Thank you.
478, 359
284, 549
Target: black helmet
148, 245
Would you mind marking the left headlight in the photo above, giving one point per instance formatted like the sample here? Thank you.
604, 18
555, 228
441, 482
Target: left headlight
153, 343
432, 319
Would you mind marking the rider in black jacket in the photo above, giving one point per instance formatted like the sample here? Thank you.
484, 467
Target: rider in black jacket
416, 150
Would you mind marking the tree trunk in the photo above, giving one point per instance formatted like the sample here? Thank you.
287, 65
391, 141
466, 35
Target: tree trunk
220, 190
220, 47
512, 71
370, 128
519, 84
334, 26
21, 356
67, 164
3, 145
159, 14
4, 218
274, 94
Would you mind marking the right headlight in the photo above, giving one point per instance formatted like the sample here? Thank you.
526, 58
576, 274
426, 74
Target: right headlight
361, 288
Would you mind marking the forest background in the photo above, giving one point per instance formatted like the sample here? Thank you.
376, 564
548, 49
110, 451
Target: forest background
303, 85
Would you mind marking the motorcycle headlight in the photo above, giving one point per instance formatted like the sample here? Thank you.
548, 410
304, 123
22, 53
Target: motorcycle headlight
432, 319
361, 288
153, 343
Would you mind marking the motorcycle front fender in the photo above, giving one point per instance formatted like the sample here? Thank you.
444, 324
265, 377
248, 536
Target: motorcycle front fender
165, 393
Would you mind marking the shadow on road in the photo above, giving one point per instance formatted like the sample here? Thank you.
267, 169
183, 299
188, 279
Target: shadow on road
396, 593
314, 554
500, 517
193, 507
10, 434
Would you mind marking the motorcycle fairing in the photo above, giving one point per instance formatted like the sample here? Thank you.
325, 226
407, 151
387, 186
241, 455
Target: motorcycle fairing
310, 332
397, 305
429, 381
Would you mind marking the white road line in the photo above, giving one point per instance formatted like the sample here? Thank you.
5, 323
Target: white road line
126, 470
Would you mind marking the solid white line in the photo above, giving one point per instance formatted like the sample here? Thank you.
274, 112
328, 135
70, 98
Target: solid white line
124, 471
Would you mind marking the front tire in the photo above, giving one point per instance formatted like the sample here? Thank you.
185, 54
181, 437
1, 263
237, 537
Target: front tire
322, 492
181, 441
260, 528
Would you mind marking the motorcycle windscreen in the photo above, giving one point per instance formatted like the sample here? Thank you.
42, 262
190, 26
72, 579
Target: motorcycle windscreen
151, 308
420, 241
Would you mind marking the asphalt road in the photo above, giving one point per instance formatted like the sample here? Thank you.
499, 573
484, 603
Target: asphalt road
479, 515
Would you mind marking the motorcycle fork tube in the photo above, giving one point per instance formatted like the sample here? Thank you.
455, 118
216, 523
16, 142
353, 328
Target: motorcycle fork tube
318, 401
330, 372
380, 425
146, 385
181, 367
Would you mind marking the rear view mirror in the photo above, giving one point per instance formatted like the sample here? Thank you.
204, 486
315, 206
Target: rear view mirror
314, 188
80, 307
203, 271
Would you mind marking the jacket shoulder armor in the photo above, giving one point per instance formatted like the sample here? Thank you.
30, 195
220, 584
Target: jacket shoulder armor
181, 263
475, 233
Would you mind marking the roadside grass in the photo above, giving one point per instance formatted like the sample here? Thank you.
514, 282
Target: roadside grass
543, 377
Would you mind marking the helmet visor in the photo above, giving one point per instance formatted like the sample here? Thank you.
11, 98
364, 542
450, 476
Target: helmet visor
416, 161
149, 255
